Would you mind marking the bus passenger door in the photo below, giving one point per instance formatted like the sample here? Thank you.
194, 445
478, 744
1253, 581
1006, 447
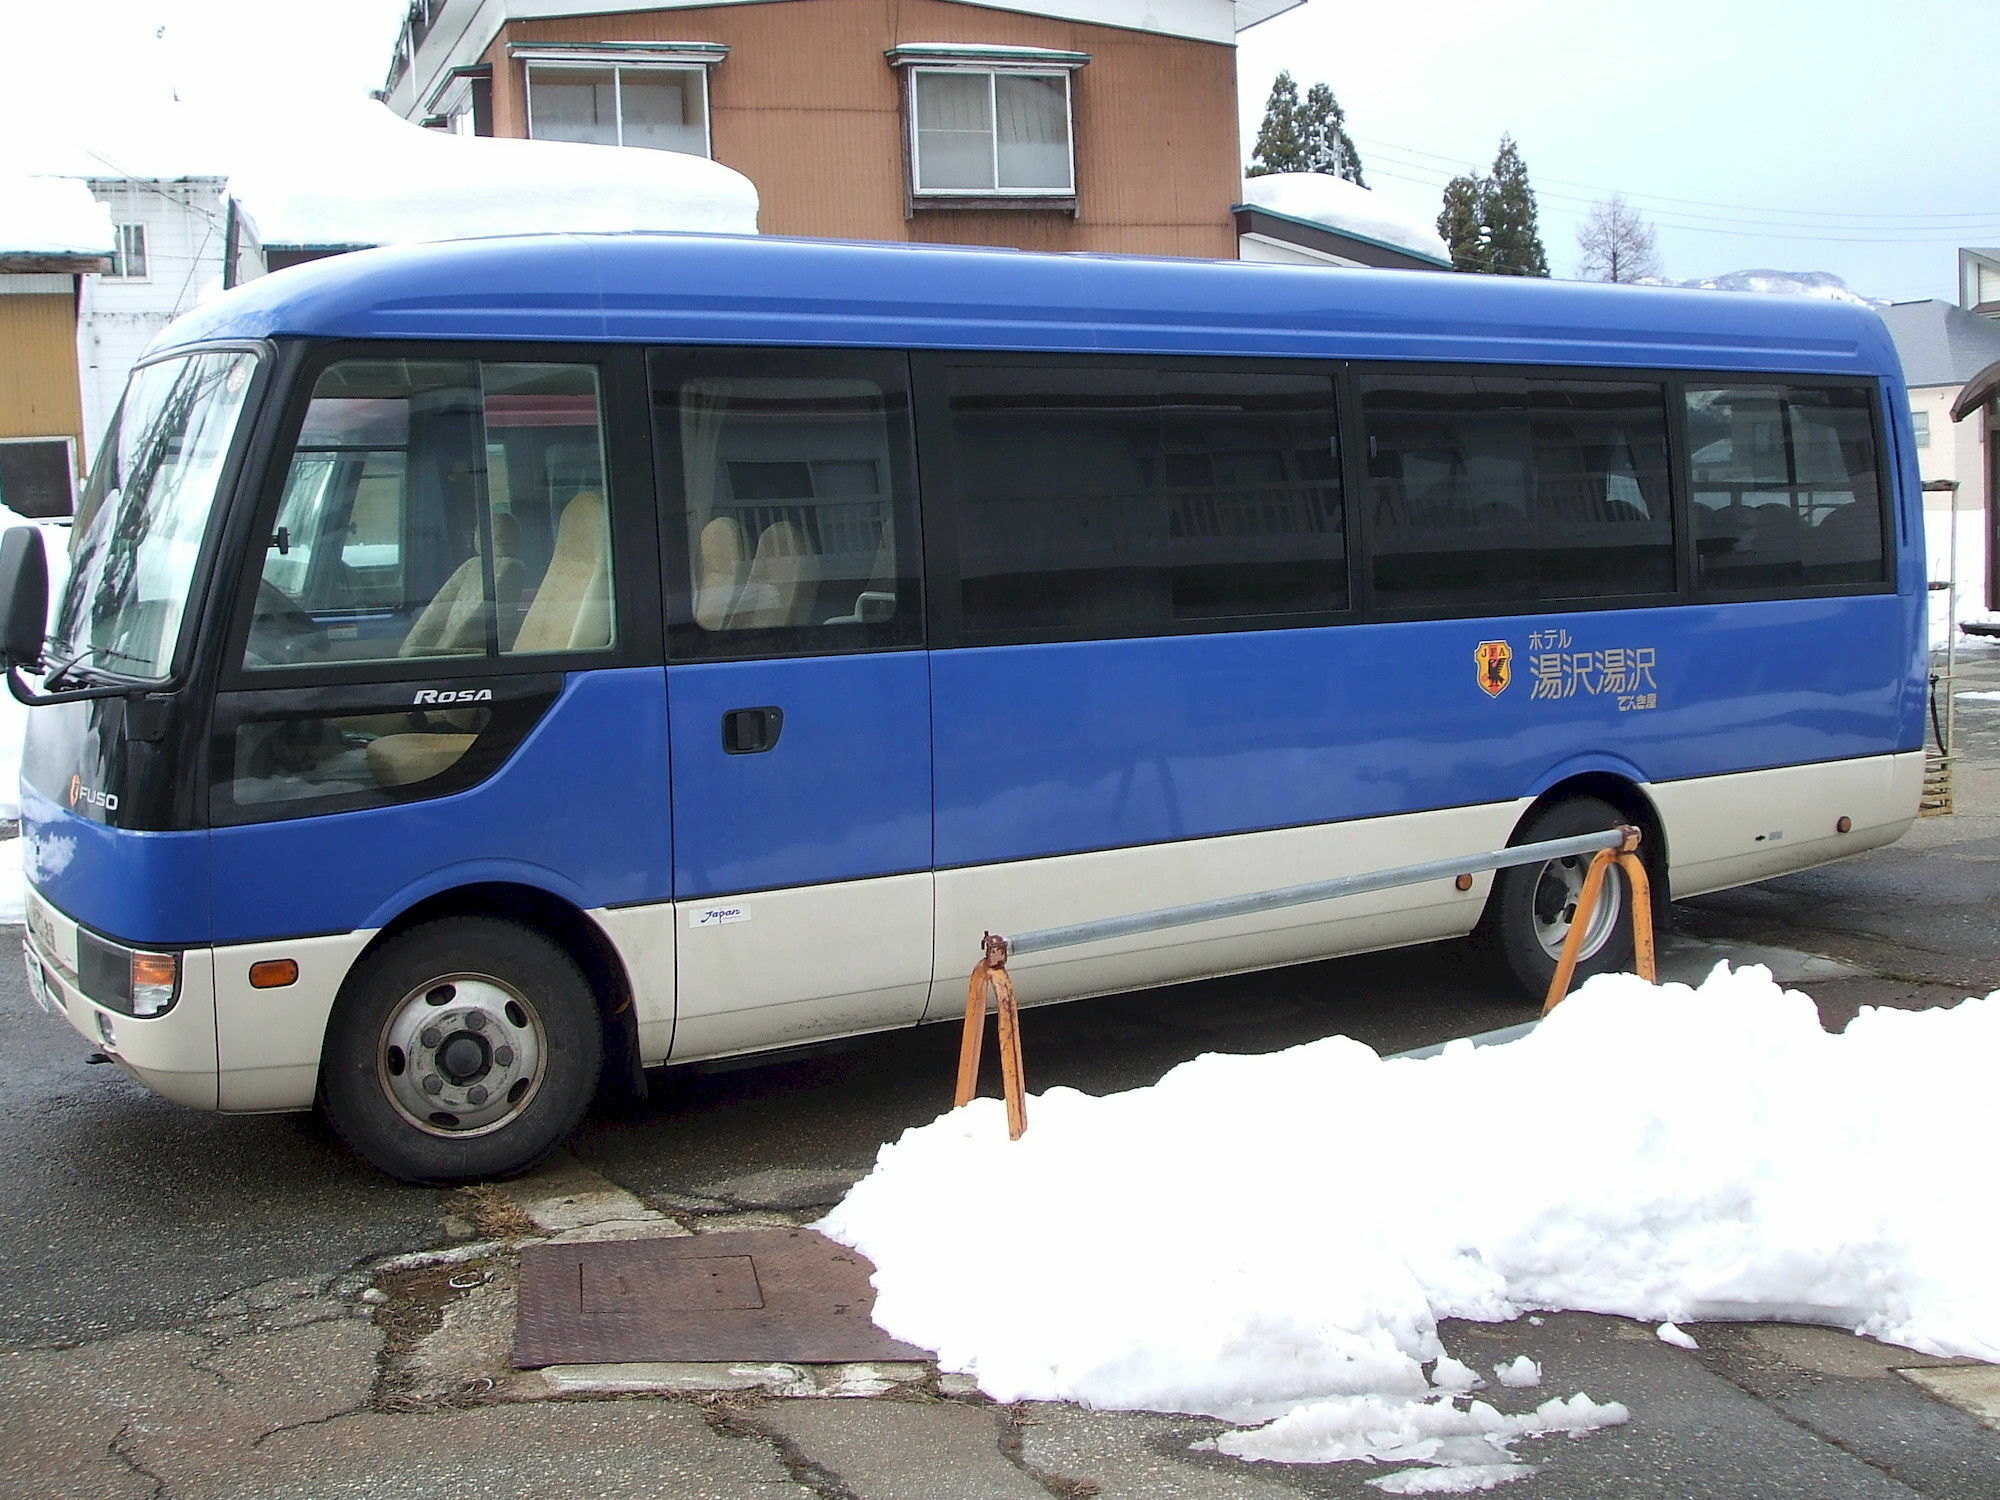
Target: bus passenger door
798, 695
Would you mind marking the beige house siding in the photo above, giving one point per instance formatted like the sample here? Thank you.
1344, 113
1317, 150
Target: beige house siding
40, 395
807, 106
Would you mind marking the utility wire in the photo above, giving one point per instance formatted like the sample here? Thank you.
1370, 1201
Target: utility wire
1460, 168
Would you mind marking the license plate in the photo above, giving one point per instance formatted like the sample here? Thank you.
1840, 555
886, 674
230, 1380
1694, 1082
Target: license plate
43, 929
38, 984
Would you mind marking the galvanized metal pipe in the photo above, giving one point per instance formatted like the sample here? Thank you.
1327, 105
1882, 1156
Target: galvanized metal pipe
1046, 938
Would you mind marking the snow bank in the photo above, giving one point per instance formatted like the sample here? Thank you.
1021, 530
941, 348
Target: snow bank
52, 216
362, 175
1258, 1237
1340, 205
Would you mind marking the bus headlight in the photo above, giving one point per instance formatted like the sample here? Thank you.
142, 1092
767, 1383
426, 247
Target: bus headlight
135, 982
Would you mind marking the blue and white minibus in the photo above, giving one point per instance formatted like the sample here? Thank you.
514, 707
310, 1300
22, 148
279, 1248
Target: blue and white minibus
490, 667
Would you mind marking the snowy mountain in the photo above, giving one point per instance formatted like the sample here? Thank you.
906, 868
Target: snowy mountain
1779, 283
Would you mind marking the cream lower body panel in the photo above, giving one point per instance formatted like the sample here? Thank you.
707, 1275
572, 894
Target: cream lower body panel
1058, 891
1730, 830
172, 1054
268, 1041
781, 968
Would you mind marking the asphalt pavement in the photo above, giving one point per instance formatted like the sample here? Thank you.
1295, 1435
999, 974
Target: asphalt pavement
196, 1307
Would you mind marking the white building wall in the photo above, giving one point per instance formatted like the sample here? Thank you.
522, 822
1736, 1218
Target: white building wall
1956, 451
185, 227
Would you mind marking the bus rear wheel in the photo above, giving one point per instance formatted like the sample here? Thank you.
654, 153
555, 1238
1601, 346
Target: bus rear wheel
462, 1049
1532, 907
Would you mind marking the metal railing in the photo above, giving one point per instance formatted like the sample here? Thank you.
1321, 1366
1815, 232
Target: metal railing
990, 981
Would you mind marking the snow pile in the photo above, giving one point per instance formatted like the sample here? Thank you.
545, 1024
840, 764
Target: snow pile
52, 216
1341, 206
361, 175
1776, 283
1278, 1236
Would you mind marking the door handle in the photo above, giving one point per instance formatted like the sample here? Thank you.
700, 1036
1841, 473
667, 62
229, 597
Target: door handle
751, 731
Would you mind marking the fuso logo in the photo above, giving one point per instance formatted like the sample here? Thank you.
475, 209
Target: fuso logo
78, 792
462, 695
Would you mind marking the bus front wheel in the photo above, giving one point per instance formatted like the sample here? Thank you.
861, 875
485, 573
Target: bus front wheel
1532, 907
462, 1049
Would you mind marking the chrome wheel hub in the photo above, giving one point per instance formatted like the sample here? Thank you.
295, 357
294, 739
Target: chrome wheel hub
1557, 890
462, 1055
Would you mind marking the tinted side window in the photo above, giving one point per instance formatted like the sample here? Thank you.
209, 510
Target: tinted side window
436, 509
1126, 500
1785, 486
1491, 491
793, 476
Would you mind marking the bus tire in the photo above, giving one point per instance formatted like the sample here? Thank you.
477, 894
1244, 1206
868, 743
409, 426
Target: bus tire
463, 1049
1527, 914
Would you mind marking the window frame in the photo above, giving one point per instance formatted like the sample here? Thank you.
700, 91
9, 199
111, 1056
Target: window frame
1878, 392
618, 67
634, 533
995, 196
937, 467
122, 254
784, 642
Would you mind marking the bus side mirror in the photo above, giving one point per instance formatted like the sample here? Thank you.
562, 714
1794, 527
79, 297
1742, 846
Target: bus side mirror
24, 598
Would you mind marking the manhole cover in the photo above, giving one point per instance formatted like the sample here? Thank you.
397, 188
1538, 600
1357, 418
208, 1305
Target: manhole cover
772, 1294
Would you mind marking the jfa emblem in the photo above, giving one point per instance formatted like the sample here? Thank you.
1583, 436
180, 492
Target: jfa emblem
1496, 669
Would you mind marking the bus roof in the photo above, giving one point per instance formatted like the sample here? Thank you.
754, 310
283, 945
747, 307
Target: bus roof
718, 289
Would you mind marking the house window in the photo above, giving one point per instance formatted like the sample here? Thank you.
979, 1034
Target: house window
1921, 420
979, 132
128, 261
617, 104
989, 123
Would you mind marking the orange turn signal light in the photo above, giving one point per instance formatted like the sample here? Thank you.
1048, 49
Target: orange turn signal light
274, 973
161, 969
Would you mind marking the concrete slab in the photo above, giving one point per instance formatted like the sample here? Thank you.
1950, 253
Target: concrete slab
1974, 1390
1139, 1456
566, 1199
1684, 959
897, 1450
597, 1450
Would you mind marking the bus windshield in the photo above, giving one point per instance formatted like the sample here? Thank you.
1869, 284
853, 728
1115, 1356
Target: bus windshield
145, 512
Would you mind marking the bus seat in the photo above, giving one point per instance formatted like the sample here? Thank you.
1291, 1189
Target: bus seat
405, 759
877, 600
454, 622
572, 608
780, 586
722, 556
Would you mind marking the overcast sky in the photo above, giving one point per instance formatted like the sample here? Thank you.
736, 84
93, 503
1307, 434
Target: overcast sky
1852, 136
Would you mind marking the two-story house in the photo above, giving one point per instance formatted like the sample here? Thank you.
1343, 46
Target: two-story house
1061, 125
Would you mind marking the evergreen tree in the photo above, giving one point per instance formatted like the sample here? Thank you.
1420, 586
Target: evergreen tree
1328, 148
1459, 225
1617, 244
1507, 213
1281, 143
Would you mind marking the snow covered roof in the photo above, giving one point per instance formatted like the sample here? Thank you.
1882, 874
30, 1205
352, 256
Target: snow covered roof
1775, 283
1333, 203
1940, 342
52, 217
359, 175
150, 142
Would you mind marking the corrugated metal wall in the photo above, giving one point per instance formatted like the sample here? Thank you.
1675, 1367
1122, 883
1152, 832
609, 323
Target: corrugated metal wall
809, 109
39, 392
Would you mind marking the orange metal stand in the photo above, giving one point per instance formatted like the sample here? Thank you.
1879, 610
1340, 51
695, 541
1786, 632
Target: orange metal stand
990, 977
1627, 857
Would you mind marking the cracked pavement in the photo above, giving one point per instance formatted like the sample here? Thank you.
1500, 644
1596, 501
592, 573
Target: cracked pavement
194, 1308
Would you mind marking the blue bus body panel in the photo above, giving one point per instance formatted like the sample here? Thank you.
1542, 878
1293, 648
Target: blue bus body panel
1110, 743
707, 289
581, 811
844, 793
143, 888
